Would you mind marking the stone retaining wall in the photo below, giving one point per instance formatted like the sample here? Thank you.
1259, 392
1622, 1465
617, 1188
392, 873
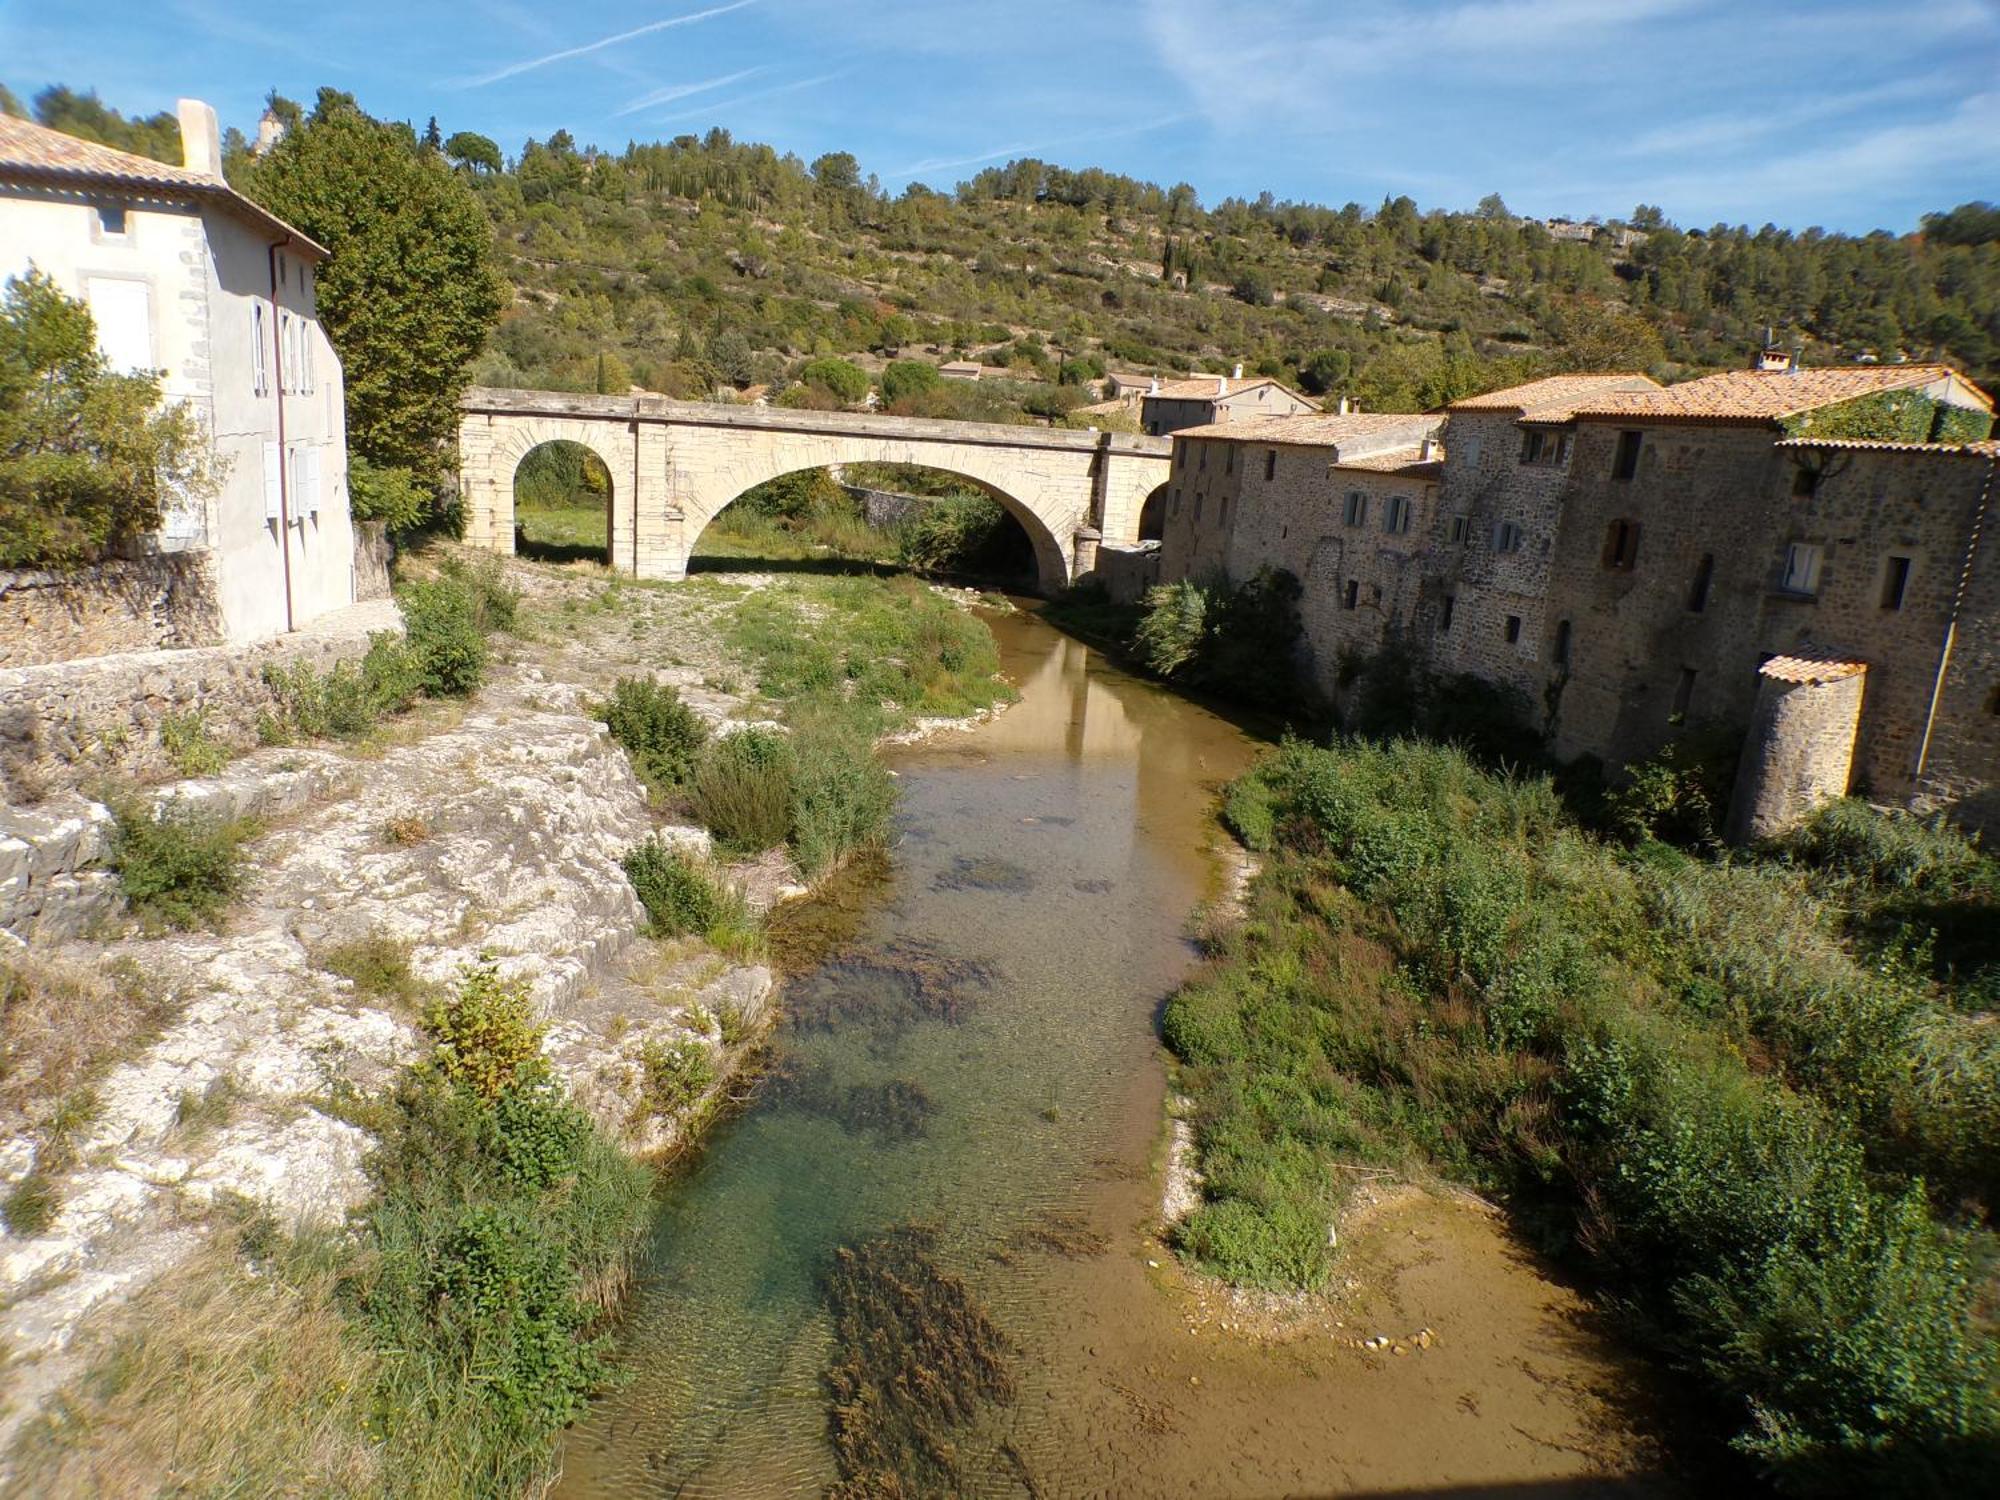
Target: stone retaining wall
64, 725
135, 604
1127, 572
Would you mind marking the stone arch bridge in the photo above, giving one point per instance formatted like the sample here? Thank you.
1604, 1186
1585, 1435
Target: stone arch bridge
675, 464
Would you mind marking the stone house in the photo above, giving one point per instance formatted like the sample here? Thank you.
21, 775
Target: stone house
960, 369
1499, 503
1203, 400
1345, 503
1697, 542
187, 277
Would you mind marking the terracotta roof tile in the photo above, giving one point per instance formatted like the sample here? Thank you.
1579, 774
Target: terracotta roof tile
1754, 396
1375, 430
34, 153
1985, 448
1812, 666
1204, 387
1555, 398
1402, 463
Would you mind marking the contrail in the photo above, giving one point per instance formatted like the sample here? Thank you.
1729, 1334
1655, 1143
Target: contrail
602, 42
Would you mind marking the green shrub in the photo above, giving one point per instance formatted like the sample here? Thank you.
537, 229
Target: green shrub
675, 1075
346, 702
964, 534
1175, 625
485, 1036
660, 733
742, 789
842, 796
495, 601
1279, 1248
681, 894
1889, 849
1237, 641
185, 738
385, 493
1681, 794
181, 865
441, 621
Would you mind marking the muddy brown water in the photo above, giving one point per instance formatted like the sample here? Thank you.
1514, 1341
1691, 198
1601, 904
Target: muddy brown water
983, 1059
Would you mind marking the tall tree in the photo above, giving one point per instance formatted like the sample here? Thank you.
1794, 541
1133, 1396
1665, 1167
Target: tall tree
410, 293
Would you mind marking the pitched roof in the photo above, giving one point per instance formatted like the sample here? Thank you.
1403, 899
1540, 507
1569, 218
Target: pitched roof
1204, 387
1407, 462
1808, 665
34, 153
1369, 431
1555, 398
1984, 448
1759, 396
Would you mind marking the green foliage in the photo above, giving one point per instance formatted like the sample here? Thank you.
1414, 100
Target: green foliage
1892, 417
681, 894
848, 382
442, 624
904, 378
1888, 849
804, 494
193, 751
1396, 694
1681, 793
742, 789
386, 493
842, 795
1239, 641
89, 460
674, 1075
660, 733
346, 702
474, 152
410, 292
484, 1034
180, 866
558, 475
87, 118
1738, 1117
965, 534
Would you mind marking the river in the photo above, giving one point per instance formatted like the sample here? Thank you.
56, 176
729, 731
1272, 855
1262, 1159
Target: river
981, 1057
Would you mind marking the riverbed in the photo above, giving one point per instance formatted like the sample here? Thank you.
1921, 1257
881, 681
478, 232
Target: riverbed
980, 1057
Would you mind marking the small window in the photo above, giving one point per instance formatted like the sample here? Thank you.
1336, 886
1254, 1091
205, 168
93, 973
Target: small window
1801, 575
1621, 545
1548, 450
1222, 512
1180, 455
1270, 463
1805, 482
1683, 696
111, 221
1507, 537
1625, 462
1531, 446
1396, 515
1704, 574
1895, 582
1229, 459
1357, 508
1197, 509
1561, 652
1513, 629
1444, 611
1353, 595
1460, 530
1174, 501
1202, 461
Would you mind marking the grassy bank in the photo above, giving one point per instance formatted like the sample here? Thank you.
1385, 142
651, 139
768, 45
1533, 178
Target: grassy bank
1766, 1128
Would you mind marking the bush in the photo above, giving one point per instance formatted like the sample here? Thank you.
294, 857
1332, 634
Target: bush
742, 789
849, 382
964, 534
660, 733
908, 377
385, 493
1681, 794
680, 893
1174, 627
181, 865
1239, 642
441, 619
495, 601
675, 1075
345, 703
1889, 849
842, 795
188, 744
487, 1040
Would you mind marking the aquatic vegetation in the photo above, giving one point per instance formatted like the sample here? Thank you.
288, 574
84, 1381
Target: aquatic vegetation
887, 988
984, 873
898, 1109
915, 1358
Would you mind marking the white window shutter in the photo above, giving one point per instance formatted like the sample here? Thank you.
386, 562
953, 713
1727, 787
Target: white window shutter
306, 345
313, 477
272, 480
260, 355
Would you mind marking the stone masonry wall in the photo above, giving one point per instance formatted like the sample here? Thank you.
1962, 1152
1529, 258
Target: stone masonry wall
1798, 754
64, 725
138, 604
1962, 765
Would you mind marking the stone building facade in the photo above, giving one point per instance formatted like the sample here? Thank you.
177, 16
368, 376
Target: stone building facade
1628, 558
1172, 406
188, 278
1346, 504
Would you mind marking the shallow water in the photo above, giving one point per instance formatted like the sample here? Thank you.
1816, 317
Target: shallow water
983, 1059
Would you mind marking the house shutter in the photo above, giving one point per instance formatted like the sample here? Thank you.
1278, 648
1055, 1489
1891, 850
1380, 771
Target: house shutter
260, 354
272, 482
313, 481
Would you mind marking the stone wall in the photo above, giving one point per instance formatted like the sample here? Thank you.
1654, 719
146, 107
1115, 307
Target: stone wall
1799, 751
1127, 572
138, 604
65, 725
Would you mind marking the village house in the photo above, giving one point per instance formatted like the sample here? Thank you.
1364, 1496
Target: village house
1700, 542
186, 277
1343, 501
1171, 406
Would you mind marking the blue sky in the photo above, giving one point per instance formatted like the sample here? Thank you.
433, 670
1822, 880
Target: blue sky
1852, 114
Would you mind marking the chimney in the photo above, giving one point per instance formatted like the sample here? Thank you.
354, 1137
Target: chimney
1155, 389
201, 142
1343, 406
1221, 386
1237, 374
1428, 451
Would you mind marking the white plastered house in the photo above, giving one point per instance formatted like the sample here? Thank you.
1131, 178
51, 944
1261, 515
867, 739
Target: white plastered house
187, 277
